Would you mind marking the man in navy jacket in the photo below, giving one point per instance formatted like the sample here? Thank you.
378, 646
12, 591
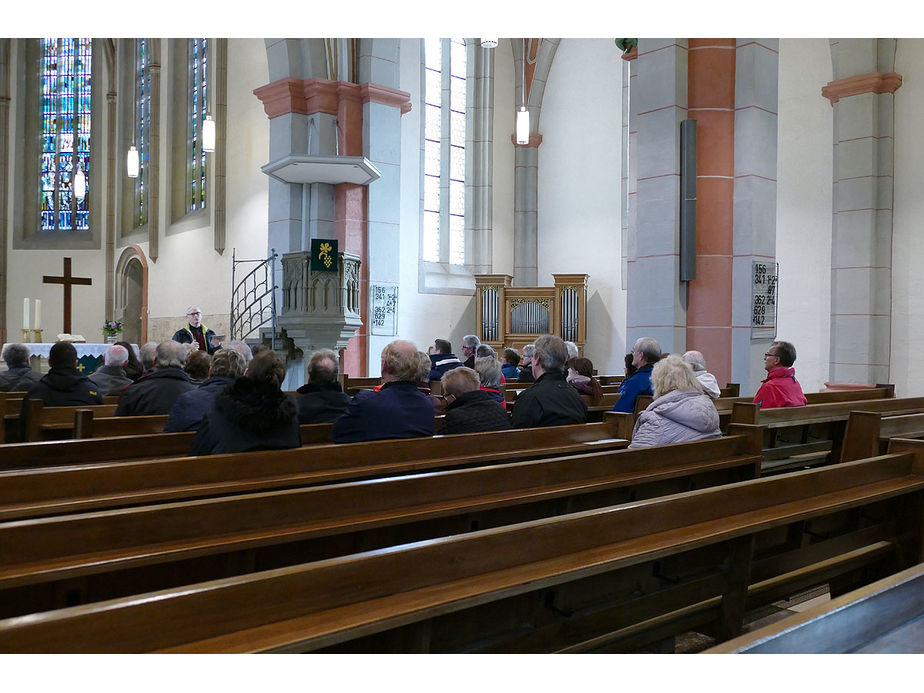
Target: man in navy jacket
645, 354
394, 409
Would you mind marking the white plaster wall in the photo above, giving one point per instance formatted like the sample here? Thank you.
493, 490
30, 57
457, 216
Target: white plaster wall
188, 269
579, 187
907, 239
804, 203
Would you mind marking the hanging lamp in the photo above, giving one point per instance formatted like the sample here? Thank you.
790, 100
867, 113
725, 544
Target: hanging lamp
208, 134
523, 114
80, 183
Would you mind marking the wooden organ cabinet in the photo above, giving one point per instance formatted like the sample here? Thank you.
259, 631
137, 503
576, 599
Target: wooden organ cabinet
509, 316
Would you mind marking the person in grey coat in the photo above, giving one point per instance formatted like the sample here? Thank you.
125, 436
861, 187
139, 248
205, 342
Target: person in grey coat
680, 411
19, 376
111, 378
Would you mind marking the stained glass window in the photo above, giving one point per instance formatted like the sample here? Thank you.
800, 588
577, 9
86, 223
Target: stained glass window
197, 109
142, 127
444, 150
65, 84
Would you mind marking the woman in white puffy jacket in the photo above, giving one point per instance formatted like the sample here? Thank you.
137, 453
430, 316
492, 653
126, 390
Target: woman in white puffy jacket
679, 412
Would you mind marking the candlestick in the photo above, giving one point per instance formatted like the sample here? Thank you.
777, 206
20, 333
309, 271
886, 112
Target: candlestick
26, 336
37, 322
25, 314
37, 336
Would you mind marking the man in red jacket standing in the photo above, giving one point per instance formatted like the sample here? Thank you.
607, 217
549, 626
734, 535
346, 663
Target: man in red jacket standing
780, 389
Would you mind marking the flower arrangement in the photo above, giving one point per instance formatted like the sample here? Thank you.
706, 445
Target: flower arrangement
111, 328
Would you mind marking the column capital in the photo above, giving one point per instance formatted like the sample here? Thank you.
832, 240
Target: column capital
535, 139
870, 83
309, 96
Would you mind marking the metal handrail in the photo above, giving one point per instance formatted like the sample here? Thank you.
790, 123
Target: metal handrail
253, 296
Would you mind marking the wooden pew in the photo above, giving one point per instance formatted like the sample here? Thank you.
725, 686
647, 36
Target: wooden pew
868, 433
353, 385
601, 580
10, 404
74, 488
58, 561
50, 423
881, 618
730, 390
87, 425
801, 436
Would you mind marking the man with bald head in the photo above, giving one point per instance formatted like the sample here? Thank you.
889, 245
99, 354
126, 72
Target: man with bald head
698, 363
394, 409
157, 392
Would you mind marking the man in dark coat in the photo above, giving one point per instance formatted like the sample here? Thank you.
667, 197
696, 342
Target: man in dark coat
157, 392
526, 365
442, 359
19, 376
190, 407
470, 409
252, 414
550, 401
61, 386
110, 378
197, 333
321, 399
394, 409
470, 344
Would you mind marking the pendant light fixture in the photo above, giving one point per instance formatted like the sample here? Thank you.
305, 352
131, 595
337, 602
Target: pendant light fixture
208, 134
523, 114
489, 43
80, 183
132, 162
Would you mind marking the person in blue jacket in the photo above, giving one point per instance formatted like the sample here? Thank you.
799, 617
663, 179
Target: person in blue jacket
645, 354
394, 409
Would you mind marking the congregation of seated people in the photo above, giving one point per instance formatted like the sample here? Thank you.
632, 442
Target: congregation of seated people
236, 402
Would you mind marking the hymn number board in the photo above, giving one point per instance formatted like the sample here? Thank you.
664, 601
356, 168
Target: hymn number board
764, 282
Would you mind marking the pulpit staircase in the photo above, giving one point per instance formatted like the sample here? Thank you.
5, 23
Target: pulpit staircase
253, 301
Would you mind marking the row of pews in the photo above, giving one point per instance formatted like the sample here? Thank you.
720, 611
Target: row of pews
539, 540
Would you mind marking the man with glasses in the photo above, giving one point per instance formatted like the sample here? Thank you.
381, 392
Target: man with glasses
645, 354
780, 389
196, 333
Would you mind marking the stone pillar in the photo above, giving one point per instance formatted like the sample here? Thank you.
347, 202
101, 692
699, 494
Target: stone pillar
4, 167
479, 162
711, 74
656, 303
756, 119
861, 95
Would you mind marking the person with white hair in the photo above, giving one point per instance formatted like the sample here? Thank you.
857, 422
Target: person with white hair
110, 378
680, 411
526, 365
157, 392
470, 344
572, 350
197, 334
706, 379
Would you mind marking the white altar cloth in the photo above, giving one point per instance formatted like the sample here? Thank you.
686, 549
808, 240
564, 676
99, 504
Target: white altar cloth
87, 349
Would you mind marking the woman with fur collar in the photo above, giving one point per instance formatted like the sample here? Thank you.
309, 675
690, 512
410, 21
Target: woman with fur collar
251, 414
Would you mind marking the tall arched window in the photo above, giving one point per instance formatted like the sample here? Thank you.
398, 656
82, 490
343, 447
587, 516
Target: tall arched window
197, 105
445, 97
65, 71
142, 129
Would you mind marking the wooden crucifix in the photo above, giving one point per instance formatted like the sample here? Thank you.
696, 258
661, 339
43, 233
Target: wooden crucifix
67, 280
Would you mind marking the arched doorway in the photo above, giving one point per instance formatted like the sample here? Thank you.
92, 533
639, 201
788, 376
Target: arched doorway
131, 304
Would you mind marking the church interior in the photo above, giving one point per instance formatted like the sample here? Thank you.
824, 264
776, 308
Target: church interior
715, 194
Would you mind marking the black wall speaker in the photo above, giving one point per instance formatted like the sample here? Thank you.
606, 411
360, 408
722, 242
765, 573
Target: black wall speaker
687, 200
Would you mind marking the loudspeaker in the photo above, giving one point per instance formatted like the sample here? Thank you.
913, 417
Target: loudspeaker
687, 200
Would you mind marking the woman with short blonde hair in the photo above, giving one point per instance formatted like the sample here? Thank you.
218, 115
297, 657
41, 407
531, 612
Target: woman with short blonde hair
680, 411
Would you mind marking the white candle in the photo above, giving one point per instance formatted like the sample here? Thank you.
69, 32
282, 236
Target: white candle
38, 314
25, 314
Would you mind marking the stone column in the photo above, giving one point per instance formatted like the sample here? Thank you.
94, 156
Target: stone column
756, 119
4, 167
656, 303
861, 95
479, 162
711, 72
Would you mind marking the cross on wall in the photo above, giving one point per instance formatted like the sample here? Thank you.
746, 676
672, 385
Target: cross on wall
68, 280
